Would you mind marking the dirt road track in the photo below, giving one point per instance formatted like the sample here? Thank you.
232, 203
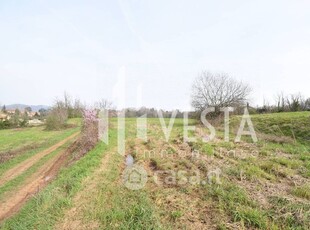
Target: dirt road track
36, 182
23, 166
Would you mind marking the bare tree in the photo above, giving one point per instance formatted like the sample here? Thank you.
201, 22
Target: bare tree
306, 105
78, 108
218, 90
67, 100
294, 102
280, 102
104, 104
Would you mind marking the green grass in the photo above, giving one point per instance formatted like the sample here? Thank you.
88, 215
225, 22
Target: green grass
229, 196
19, 180
295, 124
235, 202
109, 205
43, 211
11, 139
204, 148
290, 163
251, 217
251, 171
302, 191
122, 209
53, 139
289, 215
295, 149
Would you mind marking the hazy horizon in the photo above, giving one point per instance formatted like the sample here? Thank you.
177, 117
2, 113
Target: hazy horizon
48, 48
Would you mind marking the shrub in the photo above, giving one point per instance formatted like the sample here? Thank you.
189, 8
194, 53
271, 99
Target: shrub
5, 124
90, 126
89, 135
57, 118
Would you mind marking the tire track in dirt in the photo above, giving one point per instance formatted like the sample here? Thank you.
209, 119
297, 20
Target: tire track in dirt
72, 218
23, 166
33, 184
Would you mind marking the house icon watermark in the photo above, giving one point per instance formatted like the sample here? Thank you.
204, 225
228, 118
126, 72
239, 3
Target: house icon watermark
135, 177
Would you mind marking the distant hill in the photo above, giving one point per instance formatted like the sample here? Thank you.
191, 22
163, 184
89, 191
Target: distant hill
35, 108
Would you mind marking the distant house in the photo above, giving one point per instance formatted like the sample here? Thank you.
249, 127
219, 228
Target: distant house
35, 122
10, 111
32, 114
4, 117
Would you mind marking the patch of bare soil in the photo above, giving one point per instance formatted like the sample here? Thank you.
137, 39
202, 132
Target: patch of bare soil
33, 185
23, 166
72, 218
37, 181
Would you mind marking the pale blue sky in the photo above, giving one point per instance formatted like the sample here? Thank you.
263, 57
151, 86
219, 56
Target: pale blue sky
48, 47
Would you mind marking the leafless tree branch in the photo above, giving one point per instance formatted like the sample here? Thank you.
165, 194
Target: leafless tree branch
218, 90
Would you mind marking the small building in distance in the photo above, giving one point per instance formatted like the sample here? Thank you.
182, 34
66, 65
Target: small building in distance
4, 117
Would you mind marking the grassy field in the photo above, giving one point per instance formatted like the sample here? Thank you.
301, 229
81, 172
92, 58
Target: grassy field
263, 185
18, 145
14, 139
292, 125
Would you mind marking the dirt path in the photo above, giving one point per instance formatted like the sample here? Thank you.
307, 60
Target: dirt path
72, 219
37, 181
23, 166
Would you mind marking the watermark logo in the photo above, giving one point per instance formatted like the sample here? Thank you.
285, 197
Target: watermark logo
183, 177
142, 127
135, 177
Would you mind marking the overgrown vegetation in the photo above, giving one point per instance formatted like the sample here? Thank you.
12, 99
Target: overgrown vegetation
265, 190
17, 120
89, 135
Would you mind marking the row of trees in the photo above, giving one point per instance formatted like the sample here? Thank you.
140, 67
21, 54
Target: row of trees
150, 113
209, 90
221, 90
67, 107
287, 103
56, 117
